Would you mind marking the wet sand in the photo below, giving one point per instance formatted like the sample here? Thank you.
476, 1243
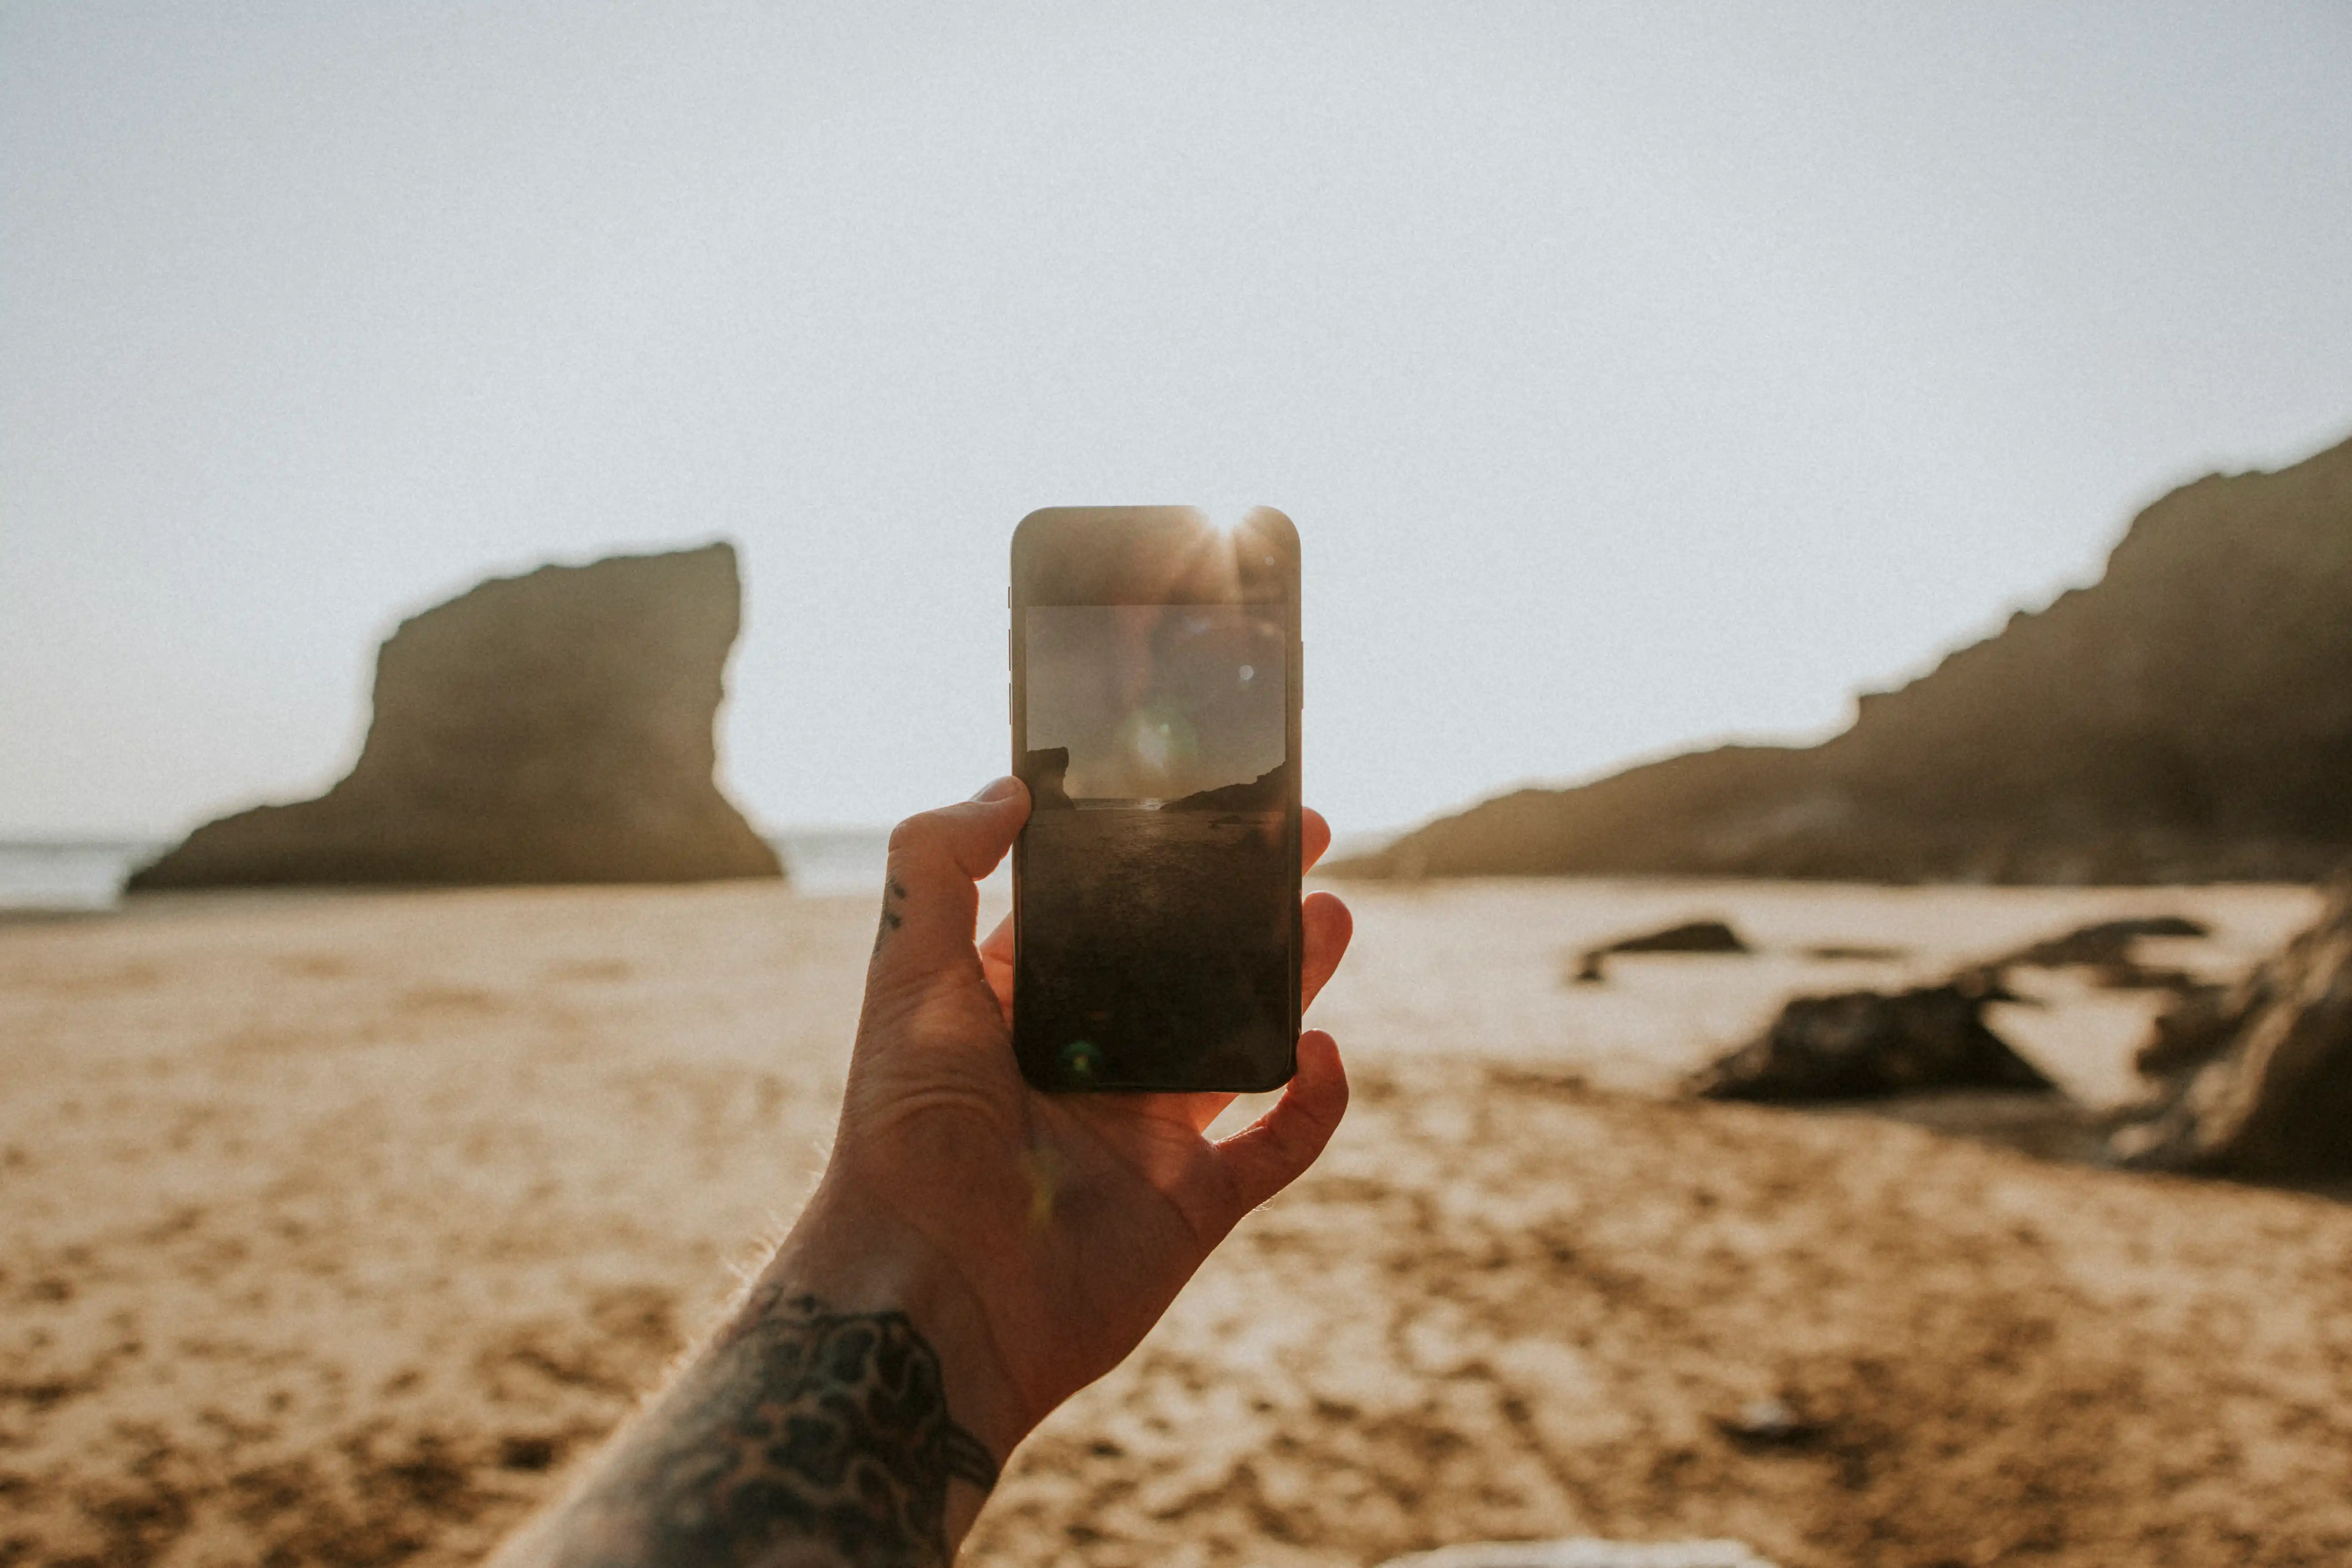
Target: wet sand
337, 1225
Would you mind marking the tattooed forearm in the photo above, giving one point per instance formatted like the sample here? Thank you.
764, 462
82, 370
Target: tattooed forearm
802, 1436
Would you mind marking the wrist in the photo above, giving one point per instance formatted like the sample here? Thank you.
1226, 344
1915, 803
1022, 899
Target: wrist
854, 1258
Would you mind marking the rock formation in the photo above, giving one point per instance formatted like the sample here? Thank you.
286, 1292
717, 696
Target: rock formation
1690, 936
2108, 949
1046, 772
2186, 719
2259, 1081
554, 727
2101, 944
1862, 1045
1270, 791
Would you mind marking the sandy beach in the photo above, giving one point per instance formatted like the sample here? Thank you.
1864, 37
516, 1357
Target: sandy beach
338, 1225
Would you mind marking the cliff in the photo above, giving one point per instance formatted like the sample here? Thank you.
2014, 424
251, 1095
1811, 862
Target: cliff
2189, 718
554, 727
1270, 791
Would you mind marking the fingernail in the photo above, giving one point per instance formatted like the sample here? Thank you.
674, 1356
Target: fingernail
1004, 788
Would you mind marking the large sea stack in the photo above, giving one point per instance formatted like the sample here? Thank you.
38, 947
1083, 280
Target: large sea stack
2186, 719
554, 727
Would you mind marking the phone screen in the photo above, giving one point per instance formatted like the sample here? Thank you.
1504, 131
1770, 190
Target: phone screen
1157, 880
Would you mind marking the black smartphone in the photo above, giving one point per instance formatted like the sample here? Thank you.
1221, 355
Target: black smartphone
1156, 662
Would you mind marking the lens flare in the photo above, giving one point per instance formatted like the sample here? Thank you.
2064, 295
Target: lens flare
1227, 517
1159, 743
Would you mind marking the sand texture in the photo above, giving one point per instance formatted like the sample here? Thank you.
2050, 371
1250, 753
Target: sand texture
337, 1225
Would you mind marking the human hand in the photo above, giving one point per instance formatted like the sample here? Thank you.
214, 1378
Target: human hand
975, 1253
1042, 1234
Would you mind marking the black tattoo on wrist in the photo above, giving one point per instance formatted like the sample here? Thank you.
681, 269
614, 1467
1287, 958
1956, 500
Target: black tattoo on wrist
892, 892
805, 1435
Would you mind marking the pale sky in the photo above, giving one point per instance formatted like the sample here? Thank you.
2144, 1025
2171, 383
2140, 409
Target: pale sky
1637, 376
1155, 703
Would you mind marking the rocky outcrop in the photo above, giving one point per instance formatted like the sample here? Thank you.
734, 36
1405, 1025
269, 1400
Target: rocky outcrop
2186, 719
1046, 772
2258, 1081
554, 727
1270, 791
1859, 1045
1862, 1045
2102, 942
1690, 936
2108, 949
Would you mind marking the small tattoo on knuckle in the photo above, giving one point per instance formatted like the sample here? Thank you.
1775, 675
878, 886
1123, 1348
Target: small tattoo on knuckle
894, 893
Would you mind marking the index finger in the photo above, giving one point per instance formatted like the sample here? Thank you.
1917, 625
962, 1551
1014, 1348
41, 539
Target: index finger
1314, 837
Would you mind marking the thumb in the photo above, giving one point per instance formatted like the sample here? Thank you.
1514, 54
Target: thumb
931, 896
1272, 1151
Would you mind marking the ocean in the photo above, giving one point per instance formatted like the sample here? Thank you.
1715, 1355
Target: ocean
84, 876
69, 876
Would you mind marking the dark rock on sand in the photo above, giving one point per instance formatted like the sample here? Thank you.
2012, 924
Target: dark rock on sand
2103, 942
1770, 1423
2186, 719
2198, 1027
1860, 1045
2108, 948
2259, 1079
1690, 936
554, 727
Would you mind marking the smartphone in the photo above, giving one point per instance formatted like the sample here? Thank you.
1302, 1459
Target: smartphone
1155, 703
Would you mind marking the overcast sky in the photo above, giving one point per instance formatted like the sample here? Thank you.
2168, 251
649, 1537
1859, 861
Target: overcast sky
1638, 375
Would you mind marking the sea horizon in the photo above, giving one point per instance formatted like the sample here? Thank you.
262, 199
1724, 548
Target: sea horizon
74, 874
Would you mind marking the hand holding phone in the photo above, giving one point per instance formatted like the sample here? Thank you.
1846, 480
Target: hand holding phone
1009, 1246
1071, 1219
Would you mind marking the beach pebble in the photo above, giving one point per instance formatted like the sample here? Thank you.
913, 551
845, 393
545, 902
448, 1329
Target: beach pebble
1772, 1423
